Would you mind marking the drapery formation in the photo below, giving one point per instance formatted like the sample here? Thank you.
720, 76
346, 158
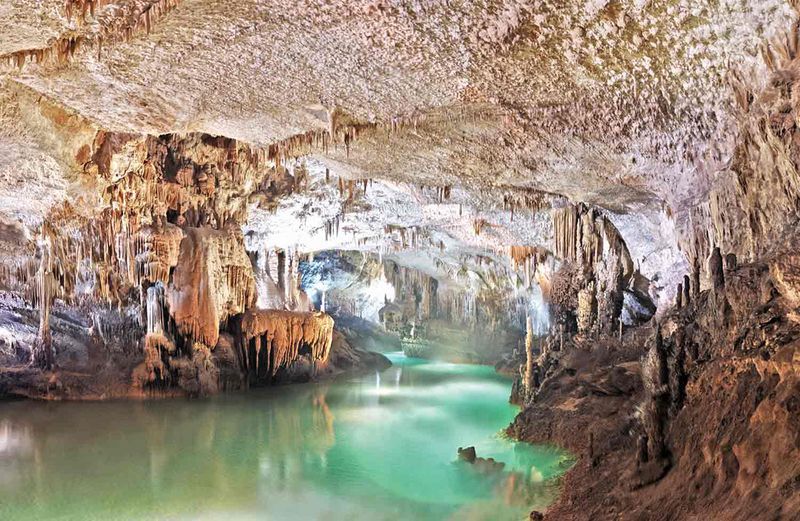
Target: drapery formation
271, 340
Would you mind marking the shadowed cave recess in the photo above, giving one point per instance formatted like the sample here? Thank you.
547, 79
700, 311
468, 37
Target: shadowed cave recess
589, 206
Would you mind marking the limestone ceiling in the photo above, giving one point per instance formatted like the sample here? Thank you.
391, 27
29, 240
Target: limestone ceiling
605, 89
611, 102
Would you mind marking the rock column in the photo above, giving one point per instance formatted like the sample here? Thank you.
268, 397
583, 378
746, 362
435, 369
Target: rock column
529, 363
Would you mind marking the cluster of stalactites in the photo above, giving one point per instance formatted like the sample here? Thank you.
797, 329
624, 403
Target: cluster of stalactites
157, 247
274, 339
528, 258
478, 225
87, 258
348, 188
441, 193
591, 243
414, 286
119, 24
532, 201
278, 276
81, 8
404, 237
583, 236
57, 54
332, 227
138, 16
459, 307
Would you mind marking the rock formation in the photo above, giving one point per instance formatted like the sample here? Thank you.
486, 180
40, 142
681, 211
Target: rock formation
601, 197
272, 340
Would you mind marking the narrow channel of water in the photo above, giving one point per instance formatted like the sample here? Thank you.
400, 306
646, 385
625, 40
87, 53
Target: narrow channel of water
374, 447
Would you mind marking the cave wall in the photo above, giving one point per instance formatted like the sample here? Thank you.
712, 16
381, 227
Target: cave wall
161, 244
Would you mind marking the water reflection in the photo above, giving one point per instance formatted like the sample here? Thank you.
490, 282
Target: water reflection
380, 446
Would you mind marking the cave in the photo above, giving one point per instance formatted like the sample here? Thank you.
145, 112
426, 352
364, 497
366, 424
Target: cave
391, 259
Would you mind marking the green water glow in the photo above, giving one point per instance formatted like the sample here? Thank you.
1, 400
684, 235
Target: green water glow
375, 447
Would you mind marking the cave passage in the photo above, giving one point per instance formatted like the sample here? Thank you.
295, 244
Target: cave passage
378, 446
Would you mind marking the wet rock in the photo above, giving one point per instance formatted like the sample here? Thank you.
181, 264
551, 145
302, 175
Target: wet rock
482, 465
467, 454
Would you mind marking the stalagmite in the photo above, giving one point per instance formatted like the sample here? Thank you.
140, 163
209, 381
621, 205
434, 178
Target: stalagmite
679, 297
654, 409
686, 297
715, 270
730, 262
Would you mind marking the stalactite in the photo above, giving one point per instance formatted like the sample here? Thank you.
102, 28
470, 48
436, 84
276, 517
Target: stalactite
274, 339
57, 54
478, 225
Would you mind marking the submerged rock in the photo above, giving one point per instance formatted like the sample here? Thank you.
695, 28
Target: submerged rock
482, 465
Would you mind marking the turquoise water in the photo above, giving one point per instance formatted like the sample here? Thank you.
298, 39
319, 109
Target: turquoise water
375, 447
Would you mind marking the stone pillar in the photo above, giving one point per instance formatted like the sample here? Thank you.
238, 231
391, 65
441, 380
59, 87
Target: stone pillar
528, 357
587, 308
155, 310
43, 348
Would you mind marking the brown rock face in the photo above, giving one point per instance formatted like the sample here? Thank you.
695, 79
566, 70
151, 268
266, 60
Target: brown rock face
785, 272
713, 433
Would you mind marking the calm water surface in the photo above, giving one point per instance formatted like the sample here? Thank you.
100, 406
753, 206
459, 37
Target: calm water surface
375, 447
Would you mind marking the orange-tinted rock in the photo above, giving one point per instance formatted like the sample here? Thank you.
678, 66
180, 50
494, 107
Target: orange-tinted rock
213, 280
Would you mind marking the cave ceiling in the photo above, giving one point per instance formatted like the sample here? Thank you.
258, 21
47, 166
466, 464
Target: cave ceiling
626, 105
